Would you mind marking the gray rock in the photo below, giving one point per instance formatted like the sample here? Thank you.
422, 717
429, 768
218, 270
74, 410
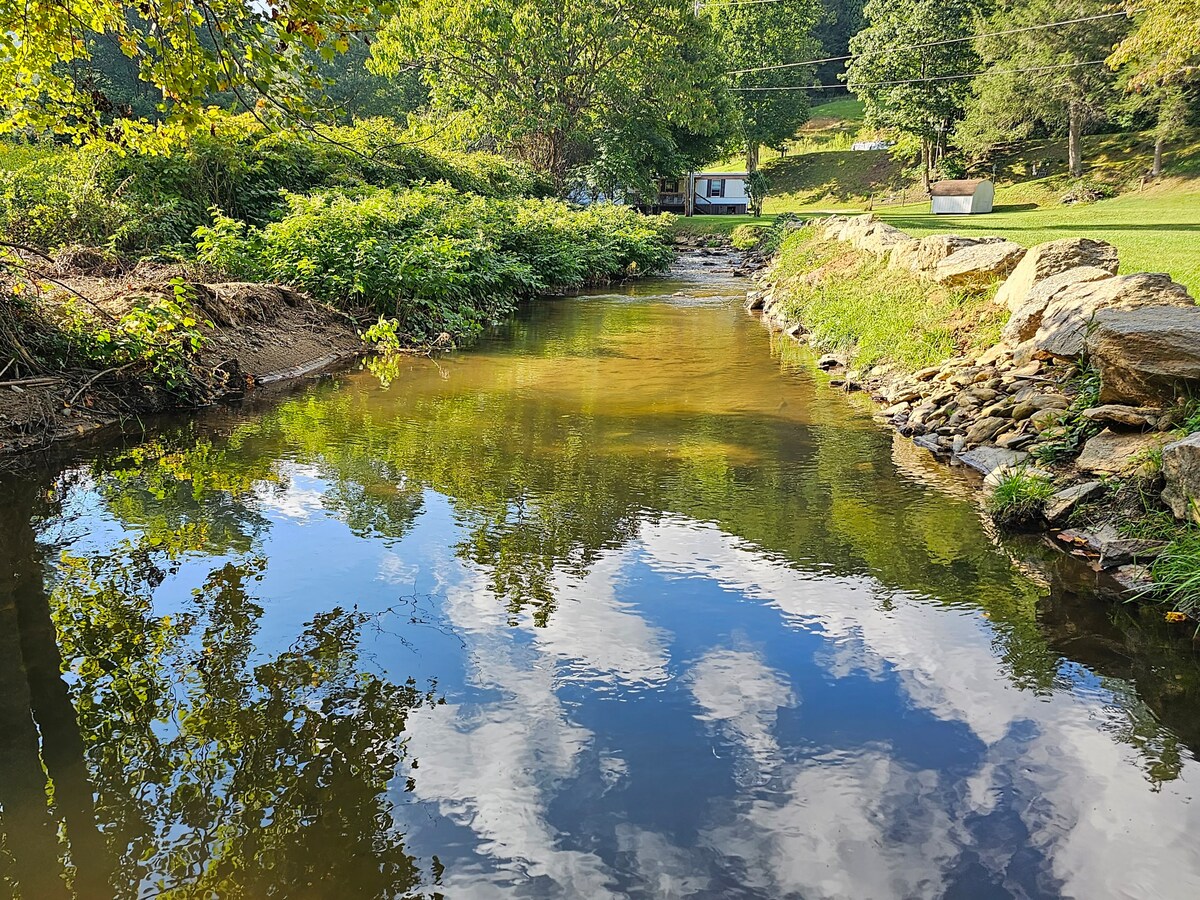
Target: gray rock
933, 249
1027, 318
1014, 440
929, 442
1111, 452
986, 429
1133, 578
1113, 549
1066, 321
1054, 258
986, 459
979, 264
1062, 503
829, 361
1181, 469
1146, 355
1140, 417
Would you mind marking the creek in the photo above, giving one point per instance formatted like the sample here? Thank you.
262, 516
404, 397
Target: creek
625, 601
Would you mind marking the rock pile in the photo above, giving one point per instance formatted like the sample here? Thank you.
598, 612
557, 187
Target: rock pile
1014, 404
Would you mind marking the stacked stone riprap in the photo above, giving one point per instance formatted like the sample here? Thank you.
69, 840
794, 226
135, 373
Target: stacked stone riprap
1141, 332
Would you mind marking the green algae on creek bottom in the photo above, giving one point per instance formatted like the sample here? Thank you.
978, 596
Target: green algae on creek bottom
693, 617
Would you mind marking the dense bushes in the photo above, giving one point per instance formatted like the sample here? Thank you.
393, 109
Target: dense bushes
436, 259
99, 195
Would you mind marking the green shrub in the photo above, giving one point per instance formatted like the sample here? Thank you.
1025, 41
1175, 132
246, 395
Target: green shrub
159, 339
435, 259
138, 203
1019, 498
1176, 574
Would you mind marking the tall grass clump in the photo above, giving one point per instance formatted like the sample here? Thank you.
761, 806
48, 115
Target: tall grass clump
433, 258
852, 301
1176, 574
1019, 498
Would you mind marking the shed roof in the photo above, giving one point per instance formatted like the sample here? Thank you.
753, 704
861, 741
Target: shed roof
962, 187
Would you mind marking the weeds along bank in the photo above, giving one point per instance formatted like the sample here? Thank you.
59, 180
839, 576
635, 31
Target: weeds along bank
1073, 391
135, 284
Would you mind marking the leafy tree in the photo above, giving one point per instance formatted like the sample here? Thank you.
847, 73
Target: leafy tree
1049, 78
917, 91
1160, 56
187, 51
758, 36
843, 20
558, 84
1164, 45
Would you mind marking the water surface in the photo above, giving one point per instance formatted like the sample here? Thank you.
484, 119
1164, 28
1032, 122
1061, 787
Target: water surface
625, 602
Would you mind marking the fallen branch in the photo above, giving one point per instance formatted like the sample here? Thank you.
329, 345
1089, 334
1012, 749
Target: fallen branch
87, 384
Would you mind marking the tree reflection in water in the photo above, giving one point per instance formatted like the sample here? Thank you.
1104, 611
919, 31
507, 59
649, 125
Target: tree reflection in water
168, 759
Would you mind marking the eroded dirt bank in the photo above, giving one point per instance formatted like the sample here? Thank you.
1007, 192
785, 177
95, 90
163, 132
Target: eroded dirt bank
252, 334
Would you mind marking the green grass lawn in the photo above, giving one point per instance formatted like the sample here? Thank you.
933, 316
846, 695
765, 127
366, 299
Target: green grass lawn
1158, 231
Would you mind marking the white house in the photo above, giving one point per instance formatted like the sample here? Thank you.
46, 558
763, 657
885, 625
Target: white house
717, 193
962, 196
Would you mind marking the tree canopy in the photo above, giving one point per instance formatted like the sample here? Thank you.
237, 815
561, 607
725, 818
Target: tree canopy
264, 53
562, 86
761, 41
1052, 78
919, 91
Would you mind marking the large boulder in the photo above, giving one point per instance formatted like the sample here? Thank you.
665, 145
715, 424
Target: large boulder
1027, 318
1066, 320
936, 247
854, 226
979, 264
906, 255
1145, 355
1052, 258
1181, 469
879, 238
831, 228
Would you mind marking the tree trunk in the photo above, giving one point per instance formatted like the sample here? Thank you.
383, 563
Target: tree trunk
926, 153
689, 197
752, 149
1159, 141
1074, 150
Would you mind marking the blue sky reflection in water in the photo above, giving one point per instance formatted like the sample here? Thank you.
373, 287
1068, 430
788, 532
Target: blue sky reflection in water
700, 629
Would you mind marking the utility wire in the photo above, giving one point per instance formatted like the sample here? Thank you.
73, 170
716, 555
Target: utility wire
719, 3
861, 84
959, 40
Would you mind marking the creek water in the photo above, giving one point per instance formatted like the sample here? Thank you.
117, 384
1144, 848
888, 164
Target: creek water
625, 601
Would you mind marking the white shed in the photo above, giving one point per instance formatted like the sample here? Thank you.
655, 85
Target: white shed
962, 196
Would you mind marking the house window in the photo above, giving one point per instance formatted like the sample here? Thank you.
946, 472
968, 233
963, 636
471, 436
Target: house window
670, 187
716, 187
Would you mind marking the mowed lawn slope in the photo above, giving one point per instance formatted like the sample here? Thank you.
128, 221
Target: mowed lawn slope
1157, 231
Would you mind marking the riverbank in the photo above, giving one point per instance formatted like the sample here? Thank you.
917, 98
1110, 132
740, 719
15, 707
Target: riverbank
1067, 388
179, 339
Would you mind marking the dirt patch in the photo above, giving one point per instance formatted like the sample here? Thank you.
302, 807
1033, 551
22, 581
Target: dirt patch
260, 333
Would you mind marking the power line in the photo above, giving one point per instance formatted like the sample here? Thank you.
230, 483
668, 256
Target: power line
959, 40
851, 85
718, 3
